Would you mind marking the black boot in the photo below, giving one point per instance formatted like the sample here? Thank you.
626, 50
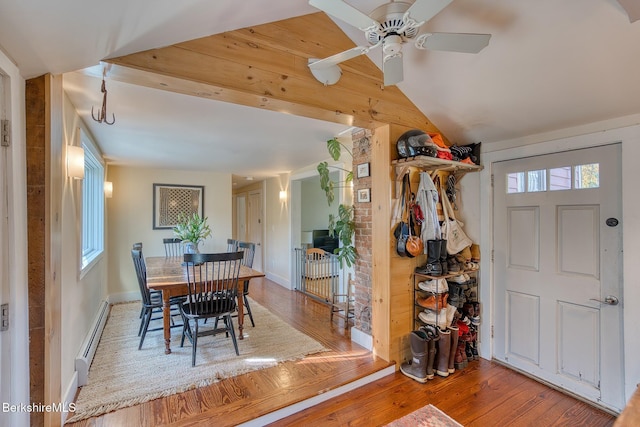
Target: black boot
433, 267
443, 257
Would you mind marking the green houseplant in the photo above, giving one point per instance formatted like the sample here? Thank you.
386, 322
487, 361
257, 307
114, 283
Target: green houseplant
191, 230
344, 224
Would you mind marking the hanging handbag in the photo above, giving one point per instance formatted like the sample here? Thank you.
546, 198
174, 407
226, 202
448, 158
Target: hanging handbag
414, 245
452, 230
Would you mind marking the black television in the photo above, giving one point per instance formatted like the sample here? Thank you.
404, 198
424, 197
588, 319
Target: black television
322, 240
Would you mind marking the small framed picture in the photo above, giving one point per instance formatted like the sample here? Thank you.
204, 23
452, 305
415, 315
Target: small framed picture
364, 195
363, 170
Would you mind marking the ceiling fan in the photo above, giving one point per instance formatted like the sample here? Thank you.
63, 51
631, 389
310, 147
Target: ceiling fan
390, 26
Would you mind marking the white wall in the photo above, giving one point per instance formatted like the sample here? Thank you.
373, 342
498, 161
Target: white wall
277, 232
314, 206
130, 219
80, 296
567, 139
15, 345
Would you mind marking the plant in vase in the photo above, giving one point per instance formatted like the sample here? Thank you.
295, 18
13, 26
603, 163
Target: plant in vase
191, 230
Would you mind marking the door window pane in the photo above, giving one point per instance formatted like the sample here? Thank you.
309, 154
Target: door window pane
537, 180
515, 182
560, 178
587, 176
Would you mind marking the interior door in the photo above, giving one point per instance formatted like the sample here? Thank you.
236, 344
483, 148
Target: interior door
557, 270
255, 226
5, 380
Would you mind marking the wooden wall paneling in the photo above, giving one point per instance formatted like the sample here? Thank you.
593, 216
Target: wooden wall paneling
36, 157
53, 254
380, 240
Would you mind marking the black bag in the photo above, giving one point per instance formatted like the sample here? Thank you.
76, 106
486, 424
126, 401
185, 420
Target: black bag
401, 232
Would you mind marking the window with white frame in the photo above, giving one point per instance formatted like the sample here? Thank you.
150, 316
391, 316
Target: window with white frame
92, 205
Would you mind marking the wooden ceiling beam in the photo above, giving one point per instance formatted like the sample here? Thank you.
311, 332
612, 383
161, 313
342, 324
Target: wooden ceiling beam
266, 67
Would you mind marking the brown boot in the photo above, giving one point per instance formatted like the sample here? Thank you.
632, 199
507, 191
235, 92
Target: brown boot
453, 348
432, 336
461, 357
444, 347
417, 367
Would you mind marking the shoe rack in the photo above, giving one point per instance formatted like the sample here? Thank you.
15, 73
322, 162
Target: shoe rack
436, 299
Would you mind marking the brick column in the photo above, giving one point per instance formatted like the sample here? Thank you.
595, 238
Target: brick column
363, 267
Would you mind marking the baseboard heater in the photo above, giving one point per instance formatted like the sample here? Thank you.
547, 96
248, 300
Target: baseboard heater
90, 344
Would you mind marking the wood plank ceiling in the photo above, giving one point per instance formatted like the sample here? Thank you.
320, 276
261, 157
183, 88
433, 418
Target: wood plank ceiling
266, 67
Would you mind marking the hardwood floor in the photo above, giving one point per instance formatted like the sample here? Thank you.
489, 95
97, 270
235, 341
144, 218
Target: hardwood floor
483, 394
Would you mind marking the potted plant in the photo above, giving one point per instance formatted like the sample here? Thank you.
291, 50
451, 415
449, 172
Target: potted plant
191, 230
344, 224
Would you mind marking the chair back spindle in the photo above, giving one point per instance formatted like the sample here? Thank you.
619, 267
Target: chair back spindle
249, 250
232, 245
172, 247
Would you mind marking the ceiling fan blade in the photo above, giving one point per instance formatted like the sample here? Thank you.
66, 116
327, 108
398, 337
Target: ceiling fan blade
453, 42
392, 69
341, 57
423, 10
632, 7
345, 12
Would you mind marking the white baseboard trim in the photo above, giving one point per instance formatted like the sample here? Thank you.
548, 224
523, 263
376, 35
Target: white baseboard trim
284, 282
315, 400
362, 339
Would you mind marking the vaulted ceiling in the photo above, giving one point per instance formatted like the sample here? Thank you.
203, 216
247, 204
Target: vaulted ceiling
204, 65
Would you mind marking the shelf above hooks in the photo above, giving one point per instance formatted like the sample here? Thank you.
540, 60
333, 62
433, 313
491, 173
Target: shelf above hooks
434, 163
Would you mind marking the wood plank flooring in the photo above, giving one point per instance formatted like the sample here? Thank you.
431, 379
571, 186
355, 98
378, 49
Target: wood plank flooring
483, 394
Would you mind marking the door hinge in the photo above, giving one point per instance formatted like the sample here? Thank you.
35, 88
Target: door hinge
4, 318
492, 255
491, 331
5, 132
492, 180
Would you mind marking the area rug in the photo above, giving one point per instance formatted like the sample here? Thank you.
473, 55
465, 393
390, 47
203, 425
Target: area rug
122, 376
427, 416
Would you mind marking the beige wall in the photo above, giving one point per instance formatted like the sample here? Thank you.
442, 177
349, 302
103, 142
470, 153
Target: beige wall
130, 218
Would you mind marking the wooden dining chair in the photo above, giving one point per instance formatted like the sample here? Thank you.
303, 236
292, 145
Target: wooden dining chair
212, 292
172, 247
249, 251
151, 302
232, 245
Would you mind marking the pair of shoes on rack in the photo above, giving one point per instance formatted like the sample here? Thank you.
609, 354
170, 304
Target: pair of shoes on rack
432, 317
436, 286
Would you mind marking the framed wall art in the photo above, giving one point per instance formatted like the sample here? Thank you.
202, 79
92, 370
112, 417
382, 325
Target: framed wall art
170, 201
364, 195
363, 170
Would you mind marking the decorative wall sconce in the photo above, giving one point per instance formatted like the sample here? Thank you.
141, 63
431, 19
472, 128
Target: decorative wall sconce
283, 195
108, 189
75, 162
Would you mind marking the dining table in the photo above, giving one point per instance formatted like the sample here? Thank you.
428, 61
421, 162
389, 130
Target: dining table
169, 275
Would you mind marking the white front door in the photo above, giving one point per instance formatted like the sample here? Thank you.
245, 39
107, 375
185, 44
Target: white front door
557, 270
255, 227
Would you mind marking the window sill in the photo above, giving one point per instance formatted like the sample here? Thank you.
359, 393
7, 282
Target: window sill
90, 263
